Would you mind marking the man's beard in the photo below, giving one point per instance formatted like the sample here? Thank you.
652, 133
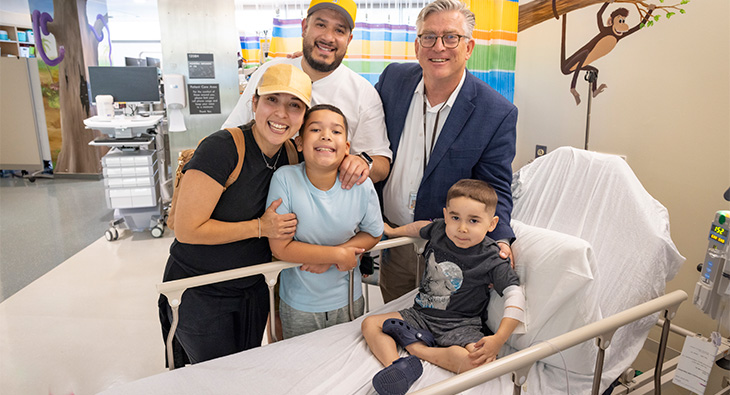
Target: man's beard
316, 64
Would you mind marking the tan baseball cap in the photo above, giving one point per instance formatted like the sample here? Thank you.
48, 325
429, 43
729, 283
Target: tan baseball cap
347, 8
286, 78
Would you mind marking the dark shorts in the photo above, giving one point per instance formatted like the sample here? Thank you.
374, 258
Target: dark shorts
446, 331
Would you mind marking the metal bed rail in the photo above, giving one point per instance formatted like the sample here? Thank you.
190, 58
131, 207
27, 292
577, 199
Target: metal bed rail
519, 363
173, 290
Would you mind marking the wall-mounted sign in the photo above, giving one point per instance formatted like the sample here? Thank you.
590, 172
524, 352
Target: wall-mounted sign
204, 98
200, 65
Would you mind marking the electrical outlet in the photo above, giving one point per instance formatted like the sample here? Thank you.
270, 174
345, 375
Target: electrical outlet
540, 150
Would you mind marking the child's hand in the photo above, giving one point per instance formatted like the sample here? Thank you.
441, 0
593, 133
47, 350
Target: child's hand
485, 350
409, 230
347, 259
316, 269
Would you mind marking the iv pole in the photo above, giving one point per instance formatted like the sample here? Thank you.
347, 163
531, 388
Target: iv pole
591, 77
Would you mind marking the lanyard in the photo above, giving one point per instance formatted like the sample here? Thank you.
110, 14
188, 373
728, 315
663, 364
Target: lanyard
433, 133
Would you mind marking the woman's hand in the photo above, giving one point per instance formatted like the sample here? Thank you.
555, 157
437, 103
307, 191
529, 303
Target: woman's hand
275, 226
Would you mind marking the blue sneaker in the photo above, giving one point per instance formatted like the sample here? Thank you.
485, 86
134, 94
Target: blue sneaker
397, 378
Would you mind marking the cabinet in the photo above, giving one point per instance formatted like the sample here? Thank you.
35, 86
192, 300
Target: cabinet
23, 132
20, 41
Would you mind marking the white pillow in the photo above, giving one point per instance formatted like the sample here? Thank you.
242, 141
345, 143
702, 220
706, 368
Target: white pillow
557, 273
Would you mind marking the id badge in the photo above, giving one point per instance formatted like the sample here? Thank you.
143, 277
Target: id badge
412, 201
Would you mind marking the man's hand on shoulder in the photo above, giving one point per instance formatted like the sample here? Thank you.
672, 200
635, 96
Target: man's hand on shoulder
353, 170
505, 251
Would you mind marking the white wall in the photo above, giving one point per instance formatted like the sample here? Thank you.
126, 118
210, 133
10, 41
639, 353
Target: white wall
135, 30
189, 26
667, 107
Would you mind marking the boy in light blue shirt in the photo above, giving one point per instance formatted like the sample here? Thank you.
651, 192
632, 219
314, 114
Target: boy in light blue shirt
334, 226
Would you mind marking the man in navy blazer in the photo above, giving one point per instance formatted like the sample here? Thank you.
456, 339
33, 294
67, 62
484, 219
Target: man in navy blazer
473, 127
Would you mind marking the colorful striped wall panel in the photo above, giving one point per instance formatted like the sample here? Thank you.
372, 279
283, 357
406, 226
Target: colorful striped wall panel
250, 51
375, 45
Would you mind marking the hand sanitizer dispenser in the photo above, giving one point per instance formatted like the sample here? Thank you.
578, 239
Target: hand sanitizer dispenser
175, 100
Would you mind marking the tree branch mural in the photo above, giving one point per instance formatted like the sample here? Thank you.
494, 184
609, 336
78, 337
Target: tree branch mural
538, 11
610, 32
76, 50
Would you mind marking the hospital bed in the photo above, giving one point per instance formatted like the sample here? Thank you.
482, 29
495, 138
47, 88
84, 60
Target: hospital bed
593, 252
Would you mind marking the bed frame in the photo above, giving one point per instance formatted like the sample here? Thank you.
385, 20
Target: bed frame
518, 364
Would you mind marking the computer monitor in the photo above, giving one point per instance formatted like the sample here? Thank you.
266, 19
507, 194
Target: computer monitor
125, 84
135, 61
154, 62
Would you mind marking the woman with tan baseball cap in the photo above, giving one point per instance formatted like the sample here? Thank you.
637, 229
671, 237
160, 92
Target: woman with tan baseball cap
221, 221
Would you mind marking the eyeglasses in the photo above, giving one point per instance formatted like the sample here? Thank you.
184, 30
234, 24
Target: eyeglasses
449, 40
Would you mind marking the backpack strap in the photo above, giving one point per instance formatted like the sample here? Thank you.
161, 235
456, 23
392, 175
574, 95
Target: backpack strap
291, 152
240, 141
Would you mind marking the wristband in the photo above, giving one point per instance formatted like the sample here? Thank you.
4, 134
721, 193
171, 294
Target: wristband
367, 159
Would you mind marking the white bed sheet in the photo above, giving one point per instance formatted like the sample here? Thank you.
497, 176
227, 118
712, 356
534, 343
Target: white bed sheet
335, 360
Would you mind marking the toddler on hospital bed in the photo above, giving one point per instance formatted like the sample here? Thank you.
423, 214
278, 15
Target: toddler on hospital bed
444, 325
334, 226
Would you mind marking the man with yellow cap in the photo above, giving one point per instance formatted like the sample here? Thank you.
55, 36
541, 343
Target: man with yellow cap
326, 33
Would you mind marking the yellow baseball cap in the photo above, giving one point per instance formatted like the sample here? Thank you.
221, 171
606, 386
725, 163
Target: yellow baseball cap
286, 78
347, 8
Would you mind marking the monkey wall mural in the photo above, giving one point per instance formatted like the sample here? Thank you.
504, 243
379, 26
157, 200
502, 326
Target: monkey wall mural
604, 42
610, 31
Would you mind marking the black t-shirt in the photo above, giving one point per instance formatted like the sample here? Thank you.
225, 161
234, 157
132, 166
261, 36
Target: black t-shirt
244, 200
456, 280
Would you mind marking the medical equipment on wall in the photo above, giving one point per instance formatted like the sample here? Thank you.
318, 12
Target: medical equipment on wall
712, 290
176, 101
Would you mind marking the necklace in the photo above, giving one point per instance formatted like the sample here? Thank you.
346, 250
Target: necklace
268, 166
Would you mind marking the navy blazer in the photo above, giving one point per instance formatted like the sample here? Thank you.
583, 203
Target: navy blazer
477, 141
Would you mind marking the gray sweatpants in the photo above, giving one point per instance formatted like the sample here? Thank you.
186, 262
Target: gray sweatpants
295, 322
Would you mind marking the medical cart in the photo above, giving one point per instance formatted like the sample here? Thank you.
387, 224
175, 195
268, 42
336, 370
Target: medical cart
134, 169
